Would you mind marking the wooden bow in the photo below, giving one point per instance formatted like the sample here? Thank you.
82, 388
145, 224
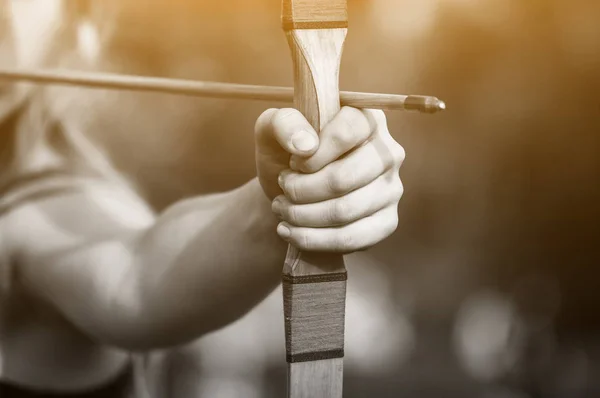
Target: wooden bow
314, 284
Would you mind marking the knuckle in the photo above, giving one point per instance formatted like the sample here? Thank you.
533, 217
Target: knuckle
307, 165
345, 242
351, 116
394, 221
398, 153
292, 190
341, 181
341, 211
282, 118
377, 120
283, 114
397, 190
264, 120
350, 128
291, 214
378, 116
390, 223
342, 139
302, 240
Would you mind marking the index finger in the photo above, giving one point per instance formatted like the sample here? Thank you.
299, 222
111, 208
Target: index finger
349, 129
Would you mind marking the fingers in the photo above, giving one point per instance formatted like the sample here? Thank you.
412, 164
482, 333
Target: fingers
358, 235
345, 175
286, 129
349, 129
342, 189
386, 190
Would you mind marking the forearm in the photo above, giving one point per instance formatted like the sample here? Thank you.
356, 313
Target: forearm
201, 264
205, 263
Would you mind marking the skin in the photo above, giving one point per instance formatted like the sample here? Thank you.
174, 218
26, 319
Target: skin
96, 274
341, 194
132, 281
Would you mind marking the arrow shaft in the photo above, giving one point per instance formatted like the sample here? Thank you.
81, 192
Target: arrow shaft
97, 80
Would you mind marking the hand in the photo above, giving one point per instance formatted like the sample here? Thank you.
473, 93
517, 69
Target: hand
337, 192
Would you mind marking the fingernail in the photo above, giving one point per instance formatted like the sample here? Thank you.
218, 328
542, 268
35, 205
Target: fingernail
304, 141
280, 180
293, 164
276, 208
283, 231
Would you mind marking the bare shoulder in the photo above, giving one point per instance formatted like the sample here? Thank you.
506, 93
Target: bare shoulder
88, 211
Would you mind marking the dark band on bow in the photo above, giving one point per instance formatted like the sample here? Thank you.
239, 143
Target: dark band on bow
333, 277
314, 356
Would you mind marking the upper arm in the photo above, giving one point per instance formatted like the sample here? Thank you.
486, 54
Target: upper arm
68, 218
74, 249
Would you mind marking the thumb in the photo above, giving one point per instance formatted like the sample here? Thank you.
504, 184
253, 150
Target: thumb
286, 129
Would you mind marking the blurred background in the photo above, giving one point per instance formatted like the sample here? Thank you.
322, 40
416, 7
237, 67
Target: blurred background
489, 288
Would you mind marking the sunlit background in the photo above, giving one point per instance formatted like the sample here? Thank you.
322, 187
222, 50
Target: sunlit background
490, 287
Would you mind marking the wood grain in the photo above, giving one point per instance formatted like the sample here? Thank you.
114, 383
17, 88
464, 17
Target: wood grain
317, 55
316, 379
314, 14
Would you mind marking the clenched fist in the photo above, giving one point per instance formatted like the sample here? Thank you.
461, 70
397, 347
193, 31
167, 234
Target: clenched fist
334, 192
